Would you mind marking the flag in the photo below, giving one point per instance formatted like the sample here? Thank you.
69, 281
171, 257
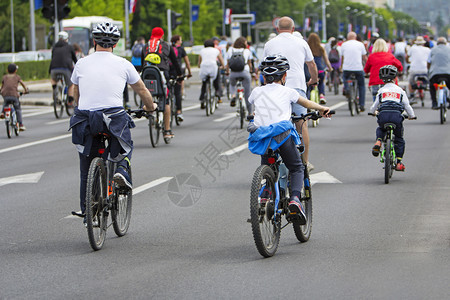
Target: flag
341, 27
369, 34
132, 6
349, 27
306, 24
364, 29
195, 11
227, 16
38, 4
316, 27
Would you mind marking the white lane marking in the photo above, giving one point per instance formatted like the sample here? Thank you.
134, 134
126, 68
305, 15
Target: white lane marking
342, 103
136, 191
25, 178
235, 150
191, 107
40, 112
57, 122
226, 117
323, 177
35, 143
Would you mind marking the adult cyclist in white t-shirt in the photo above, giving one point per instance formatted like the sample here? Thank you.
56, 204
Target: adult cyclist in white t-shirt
297, 52
99, 80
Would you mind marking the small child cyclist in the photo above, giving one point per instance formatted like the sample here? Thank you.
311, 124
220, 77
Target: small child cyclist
10, 93
272, 124
391, 101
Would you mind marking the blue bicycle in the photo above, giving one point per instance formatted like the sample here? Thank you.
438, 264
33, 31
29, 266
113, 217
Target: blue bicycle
269, 200
442, 99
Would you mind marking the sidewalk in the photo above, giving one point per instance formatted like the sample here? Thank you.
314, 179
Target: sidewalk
38, 87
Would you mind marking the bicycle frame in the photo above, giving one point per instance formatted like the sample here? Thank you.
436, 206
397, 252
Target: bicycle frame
389, 135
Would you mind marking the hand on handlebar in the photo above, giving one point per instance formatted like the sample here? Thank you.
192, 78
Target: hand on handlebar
326, 112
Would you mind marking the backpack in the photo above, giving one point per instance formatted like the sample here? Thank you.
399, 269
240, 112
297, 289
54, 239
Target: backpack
333, 56
153, 51
237, 61
136, 51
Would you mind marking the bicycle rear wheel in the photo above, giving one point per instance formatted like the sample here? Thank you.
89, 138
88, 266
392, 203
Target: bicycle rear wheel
58, 107
121, 210
8, 128
303, 232
387, 161
336, 84
14, 123
208, 98
241, 111
96, 214
70, 108
443, 113
212, 104
266, 230
154, 129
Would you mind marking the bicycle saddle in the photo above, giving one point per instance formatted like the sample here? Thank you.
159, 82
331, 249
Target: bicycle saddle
388, 125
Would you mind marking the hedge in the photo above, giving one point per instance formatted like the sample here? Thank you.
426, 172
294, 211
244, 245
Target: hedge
30, 70
37, 70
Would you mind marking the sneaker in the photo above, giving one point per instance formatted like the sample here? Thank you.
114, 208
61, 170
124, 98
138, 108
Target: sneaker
22, 127
376, 148
233, 102
322, 100
2, 115
202, 105
180, 118
309, 166
400, 167
296, 210
362, 109
219, 100
435, 107
122, 178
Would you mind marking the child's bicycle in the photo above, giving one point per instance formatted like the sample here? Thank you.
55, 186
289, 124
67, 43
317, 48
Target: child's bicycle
104, 196
269, 200
388, 156
420, 86
442, 98
11, 122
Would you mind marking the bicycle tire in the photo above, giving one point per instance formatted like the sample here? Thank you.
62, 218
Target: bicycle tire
8, 128
387, 161
58, 106
336, 84
154, 130
208, 97
356, 99
14, 123
96, 214
212, 105
303, 232
443, 113
70, 109
266, 231
172, 107
241, 112
121, 210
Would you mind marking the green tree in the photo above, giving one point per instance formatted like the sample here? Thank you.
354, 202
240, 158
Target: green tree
113, 9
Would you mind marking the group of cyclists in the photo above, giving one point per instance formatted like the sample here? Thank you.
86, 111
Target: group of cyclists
290, 66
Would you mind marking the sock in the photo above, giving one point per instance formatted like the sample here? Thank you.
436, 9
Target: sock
70, 99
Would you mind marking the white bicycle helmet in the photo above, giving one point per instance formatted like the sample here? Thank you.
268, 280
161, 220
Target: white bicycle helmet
106, 34
63, 35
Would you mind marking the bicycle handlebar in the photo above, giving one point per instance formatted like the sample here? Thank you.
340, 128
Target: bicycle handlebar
314, 115
404, 116
138, 113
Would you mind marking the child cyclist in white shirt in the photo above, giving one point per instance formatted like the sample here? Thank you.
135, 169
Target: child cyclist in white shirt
390, 102
272, 124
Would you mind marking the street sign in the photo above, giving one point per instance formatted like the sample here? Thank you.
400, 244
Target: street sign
275, 22
243, 18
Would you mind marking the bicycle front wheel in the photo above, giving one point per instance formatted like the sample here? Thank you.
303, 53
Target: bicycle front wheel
336, 84
96, 214
241, 112
58, 107
14, 123
212, 104
9, 125
121, 210
387, 161
266, 227
303, 232
208, 98
154, 129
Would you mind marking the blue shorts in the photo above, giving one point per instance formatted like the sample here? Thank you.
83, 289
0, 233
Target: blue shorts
297, 109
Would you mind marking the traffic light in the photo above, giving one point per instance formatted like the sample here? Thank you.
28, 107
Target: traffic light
173, 18
48, 9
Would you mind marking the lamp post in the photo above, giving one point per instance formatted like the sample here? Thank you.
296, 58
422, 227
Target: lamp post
324, 21
373, 16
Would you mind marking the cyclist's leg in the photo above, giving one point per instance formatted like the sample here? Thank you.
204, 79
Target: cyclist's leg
411, 83
18, 110
399, 142
247, 83
299, 110
233, 88
53, 80
345, 76
217, 85
374, 89
178, 97
362, 88
292, 160
321, 85
67, 74
85, 162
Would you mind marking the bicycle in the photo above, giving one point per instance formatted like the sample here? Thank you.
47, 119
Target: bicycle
335, 80
60, 98
442, 99
103, 196
352, 95
388, 156
421, 84
225, 83
210, 99
173, 81
242, 106
266, 213
11, 122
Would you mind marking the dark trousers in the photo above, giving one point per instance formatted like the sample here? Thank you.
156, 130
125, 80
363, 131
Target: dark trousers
435, 79
397, 119
291, 158
361, 85
203, 91
85, 162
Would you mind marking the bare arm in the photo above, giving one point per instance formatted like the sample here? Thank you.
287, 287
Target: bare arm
25, 89
199, 60
327, 61
188, 66
76, 94
222, 62
313, 72
139, 87
313, 105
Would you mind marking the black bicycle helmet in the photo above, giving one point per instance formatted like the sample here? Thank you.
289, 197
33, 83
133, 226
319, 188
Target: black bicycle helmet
274, 65
388, 73
106, 34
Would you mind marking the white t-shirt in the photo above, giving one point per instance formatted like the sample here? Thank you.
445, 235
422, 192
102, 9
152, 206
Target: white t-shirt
392, 92
418, 56
209, 55
352, 52
245, 52
272, 103
296, 51
400, 48
101, 78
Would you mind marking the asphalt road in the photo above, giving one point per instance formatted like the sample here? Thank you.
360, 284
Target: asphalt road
189, 238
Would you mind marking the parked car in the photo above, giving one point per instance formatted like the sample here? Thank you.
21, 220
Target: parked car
7, 57
28, 56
